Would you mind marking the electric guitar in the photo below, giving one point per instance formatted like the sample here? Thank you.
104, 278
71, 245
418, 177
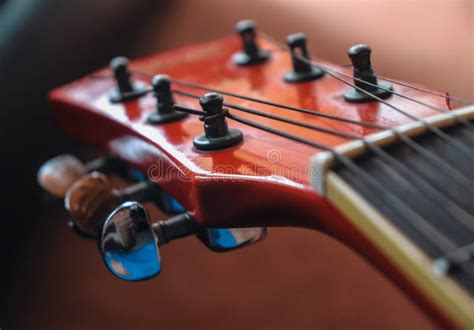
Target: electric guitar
239, 134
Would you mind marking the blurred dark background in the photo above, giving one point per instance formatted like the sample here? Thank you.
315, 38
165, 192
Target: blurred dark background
52, 279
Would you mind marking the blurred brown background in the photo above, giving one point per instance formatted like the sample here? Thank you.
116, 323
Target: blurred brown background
296, 279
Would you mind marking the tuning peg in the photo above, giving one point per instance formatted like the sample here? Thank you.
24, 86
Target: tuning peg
302, 70
251, 54
164, 102
126, 89
217, 134
363, 72
59, 173
91, 198
129, 242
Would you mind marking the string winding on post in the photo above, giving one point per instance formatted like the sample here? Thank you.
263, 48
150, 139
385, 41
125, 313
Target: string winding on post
364, 77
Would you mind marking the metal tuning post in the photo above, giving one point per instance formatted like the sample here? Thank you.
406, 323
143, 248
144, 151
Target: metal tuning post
251, 54
58, 174
129, 242
126, 89
302, 70
363, 72
217, 134
92, 198
164, 102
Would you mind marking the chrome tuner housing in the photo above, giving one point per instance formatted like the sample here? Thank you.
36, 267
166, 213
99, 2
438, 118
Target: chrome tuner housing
128, 244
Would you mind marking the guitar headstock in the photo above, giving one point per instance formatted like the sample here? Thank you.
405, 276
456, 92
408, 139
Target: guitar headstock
242, 132
253, 180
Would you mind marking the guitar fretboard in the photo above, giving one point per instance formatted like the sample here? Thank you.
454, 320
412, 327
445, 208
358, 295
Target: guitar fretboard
437, 211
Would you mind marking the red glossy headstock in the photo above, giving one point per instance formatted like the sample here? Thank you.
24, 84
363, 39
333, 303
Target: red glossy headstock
264, 180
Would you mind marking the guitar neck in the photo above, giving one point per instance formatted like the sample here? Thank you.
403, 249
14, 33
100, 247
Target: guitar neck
418, 216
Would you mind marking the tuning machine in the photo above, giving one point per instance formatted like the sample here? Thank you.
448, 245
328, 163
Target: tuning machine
58, 174
129, 242
217, 135
91, 198
303, 70
251, 53
126, 89
365, 78
164, 102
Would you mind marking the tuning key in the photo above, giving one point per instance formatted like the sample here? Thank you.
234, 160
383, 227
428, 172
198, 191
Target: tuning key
302, 69
164, 102
129, 242
59, 173
126, 89
251, 54
90, 199
363, 72
217, 134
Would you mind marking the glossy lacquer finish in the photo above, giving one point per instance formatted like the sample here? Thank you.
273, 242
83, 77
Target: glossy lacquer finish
263, 181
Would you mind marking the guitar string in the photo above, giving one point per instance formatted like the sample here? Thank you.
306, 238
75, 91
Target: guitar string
428, 155
460, 178
461, 120
248, 98
446, 96
432, 234
295, 138
241, 121
298, 109
292, 108
435, 195
449, 170
418, 88
458, 118
421, 89
425, 153
442, 242
278, 118
469, 224
333, 73
419, 221
278, 105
